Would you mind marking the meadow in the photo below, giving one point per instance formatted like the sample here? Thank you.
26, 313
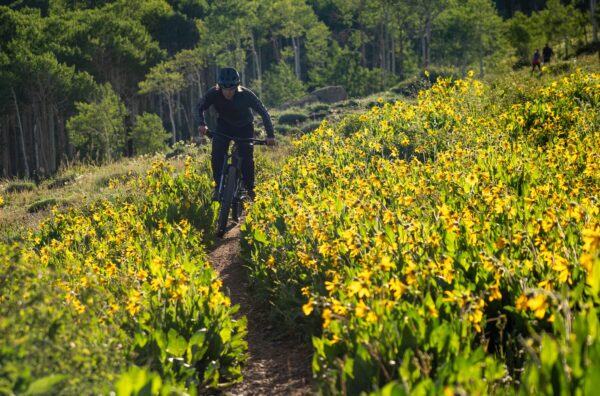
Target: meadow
444, 245
447, 246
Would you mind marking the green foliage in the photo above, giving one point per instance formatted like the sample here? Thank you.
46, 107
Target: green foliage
434, 246
468, 32
292, 118
121, 283
279, 84
148, 134
424, 80
310, 126
284, 129
19, 186
98, 130
42, 205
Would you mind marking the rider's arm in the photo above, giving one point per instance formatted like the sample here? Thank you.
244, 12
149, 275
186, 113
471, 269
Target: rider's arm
206, 101
257, 106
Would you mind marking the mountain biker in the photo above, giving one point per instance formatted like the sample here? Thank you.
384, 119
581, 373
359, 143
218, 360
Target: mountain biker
536, 61
233, 103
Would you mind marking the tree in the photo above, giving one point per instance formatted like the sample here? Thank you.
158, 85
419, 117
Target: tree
164, 81
280, 85
467, 32
98, 130
426, 12
148, 134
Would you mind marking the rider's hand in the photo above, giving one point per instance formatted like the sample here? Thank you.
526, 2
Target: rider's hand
203, 130
270, 141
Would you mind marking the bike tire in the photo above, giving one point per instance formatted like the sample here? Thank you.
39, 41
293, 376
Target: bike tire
227, 200
236, 209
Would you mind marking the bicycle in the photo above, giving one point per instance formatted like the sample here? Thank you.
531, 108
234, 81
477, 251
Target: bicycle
230, 194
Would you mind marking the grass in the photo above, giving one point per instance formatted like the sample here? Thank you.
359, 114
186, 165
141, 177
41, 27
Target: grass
26, 205
74, 186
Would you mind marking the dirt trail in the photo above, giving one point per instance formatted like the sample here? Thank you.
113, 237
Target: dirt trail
275, 367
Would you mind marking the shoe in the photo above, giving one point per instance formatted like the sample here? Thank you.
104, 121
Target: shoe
215, 196
251, 195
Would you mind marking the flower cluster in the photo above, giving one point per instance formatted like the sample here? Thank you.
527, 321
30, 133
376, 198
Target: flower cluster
133, 269
424, 240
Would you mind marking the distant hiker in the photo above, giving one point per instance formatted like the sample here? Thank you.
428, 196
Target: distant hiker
547, 53
536, 61
233, 103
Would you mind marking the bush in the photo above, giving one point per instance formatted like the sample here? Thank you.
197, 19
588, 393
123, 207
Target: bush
149, 135
61, 182
98, 130
42, 205
104, 181
319, 107
310, 126
279, 84
284, 129
17, 187
423, 80
292, 118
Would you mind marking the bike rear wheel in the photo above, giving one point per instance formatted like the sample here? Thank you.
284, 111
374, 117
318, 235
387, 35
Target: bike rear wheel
227, 200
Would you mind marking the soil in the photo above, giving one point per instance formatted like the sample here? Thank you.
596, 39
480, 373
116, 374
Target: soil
275, 366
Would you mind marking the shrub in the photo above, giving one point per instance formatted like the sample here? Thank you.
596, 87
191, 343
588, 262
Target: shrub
104, 181
42, 205
279, 84
61, 182
319, 107
284, 129
98, 130
310, 126
149, 135
292, 118
17, 187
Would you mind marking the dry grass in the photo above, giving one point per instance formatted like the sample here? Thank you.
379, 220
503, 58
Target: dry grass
78, 185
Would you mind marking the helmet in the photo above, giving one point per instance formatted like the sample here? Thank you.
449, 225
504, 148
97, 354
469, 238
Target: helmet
228, 77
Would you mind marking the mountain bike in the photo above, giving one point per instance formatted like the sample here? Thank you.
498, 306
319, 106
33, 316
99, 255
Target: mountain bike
231, 194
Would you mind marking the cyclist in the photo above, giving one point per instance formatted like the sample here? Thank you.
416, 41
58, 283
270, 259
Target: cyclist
233, 103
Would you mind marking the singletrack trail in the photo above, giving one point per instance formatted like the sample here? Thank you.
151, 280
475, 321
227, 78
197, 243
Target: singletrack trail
275, 367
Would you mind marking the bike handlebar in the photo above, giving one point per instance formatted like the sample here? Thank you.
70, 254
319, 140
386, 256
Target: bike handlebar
262, 142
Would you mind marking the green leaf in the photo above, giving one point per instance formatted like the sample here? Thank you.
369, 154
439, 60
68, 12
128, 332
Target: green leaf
44, 385
225, 335
176, 345
259, 236
548, 352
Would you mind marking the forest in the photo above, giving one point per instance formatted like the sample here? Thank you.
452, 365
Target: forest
94, 80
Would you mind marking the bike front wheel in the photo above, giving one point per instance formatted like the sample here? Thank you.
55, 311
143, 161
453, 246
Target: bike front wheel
226, 200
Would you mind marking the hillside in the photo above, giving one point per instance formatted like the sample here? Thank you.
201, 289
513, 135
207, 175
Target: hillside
444, 243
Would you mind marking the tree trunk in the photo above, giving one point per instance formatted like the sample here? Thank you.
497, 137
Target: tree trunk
178, 113
174, 133
393, 53
401, 55
257, 70
21, 135
296, 46
593, 4
427, 41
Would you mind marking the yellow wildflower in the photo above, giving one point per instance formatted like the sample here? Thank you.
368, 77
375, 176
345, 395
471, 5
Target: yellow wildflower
361, 309
539, 305
308, 307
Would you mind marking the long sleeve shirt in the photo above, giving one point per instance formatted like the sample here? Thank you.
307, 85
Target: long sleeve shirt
235, 113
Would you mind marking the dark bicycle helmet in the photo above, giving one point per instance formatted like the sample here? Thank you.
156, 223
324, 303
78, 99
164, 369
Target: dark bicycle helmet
228, 77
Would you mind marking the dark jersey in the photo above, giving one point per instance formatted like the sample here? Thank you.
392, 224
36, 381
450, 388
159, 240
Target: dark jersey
235, 114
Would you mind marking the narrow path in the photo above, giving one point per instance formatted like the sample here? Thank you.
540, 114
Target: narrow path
275, 367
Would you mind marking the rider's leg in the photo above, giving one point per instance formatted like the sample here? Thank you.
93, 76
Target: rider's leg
247, 155
219, 150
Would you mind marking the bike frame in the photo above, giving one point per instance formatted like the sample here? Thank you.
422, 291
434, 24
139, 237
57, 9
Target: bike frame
229, 197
